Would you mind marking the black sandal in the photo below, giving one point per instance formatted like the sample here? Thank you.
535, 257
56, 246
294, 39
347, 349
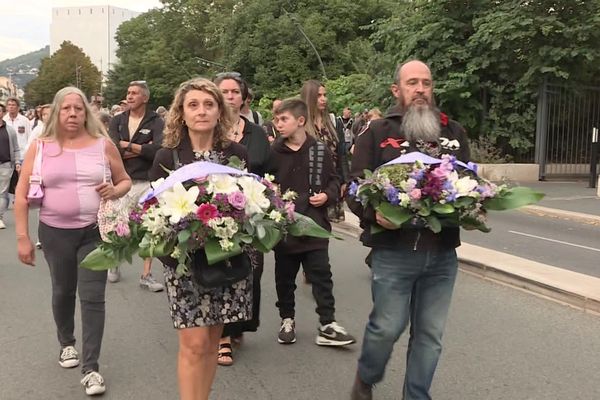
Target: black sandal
224, 357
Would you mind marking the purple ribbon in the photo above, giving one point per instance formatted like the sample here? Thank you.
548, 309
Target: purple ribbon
199, 169
414, 156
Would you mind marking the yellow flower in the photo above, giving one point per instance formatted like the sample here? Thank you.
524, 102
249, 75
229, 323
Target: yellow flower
178, 202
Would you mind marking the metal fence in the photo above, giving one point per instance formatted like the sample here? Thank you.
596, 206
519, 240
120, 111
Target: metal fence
566, 117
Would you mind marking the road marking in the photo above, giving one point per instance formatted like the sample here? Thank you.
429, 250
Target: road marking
556, 241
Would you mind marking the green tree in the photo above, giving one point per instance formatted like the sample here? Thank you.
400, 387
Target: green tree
489, 58
69, 65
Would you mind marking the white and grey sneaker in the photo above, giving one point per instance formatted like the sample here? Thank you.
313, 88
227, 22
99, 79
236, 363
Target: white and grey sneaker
287, 332
148, 282
93, 383
68, 357
114, 275
334, 335
2, 224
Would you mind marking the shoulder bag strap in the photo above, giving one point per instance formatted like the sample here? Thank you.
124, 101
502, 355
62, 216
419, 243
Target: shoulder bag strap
176, 163
36, 173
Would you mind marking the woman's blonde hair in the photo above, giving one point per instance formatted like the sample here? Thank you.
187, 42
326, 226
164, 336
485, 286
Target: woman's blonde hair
310, 94
93, 126
174, 126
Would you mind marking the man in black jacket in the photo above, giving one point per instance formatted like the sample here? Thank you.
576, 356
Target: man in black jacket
138, 134
413, 268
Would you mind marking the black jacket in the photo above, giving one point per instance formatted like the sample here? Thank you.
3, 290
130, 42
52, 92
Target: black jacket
255, 140
291, 171
149, 135
374, 148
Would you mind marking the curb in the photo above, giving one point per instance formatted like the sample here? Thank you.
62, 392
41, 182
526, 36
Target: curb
541, 211
566, 287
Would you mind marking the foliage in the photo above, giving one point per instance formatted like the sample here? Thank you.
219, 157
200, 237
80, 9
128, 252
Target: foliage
59, 70
32, 60
484, 151
489, 58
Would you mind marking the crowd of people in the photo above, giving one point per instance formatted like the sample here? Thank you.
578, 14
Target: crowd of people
86, 155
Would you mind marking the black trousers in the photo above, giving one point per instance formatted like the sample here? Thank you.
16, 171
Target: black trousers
318, 271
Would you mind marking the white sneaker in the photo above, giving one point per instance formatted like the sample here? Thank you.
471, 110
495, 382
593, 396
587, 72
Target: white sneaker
148, 282
93, 383
2, 224
38, 245
68, 358
114, 275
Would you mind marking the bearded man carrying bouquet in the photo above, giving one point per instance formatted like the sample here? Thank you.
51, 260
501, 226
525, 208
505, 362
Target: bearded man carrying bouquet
414, 269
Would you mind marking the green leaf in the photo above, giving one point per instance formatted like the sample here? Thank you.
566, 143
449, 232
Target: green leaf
434, 224
271, 238
214, 252
184, 236
305, 226
395, 214
443, 208
99, 260
513, 198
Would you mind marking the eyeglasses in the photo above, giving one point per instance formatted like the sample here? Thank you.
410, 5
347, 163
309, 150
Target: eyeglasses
224, 75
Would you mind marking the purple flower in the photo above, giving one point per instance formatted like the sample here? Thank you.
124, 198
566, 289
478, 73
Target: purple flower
237, 200
353, 188
391, 194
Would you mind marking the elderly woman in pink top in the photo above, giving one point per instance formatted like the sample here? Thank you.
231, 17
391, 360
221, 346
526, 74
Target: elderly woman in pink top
80, 166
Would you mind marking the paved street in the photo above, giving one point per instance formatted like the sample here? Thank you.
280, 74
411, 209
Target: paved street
567, 244
500, 343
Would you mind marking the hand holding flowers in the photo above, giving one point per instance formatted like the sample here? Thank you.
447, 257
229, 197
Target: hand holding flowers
418, 191
202, 206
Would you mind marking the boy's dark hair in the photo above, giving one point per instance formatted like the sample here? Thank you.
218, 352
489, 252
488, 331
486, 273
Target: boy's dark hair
294, 106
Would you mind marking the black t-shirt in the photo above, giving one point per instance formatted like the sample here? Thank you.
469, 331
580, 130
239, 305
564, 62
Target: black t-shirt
4, 145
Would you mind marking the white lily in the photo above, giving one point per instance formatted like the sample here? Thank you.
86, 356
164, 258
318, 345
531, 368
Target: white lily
256, 202
178, 202
221, 184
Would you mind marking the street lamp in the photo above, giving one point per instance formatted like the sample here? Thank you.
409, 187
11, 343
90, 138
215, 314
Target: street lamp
299, 26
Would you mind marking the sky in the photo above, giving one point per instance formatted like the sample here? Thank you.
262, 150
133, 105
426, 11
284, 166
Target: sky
25, 24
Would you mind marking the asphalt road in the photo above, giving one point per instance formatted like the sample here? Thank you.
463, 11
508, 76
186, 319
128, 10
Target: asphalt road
567, 244
500, 343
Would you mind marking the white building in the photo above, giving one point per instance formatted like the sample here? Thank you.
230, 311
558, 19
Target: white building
92, 28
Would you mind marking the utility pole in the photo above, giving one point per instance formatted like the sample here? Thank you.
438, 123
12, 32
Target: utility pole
78, 76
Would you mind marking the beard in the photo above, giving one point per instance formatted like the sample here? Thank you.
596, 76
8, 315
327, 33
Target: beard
421, 123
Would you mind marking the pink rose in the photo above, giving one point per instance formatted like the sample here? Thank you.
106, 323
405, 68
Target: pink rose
237, 200
415, 194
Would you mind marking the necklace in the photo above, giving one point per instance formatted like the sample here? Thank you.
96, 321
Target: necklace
236, 131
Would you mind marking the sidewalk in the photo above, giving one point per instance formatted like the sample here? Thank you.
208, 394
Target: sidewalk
565, 200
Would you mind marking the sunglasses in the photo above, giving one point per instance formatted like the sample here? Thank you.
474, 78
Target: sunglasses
223, 75
137, 83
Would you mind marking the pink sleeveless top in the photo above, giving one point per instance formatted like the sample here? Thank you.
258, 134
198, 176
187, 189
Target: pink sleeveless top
70, 177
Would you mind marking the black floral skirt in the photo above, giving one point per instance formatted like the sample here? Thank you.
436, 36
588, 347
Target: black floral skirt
192, 305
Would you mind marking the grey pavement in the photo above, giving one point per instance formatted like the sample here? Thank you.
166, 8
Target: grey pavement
500, 343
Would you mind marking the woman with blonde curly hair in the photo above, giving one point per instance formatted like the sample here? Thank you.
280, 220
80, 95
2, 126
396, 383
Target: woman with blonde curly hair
80, 166
197, 129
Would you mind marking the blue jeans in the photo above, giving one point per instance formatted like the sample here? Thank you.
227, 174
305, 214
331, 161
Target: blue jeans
408, 284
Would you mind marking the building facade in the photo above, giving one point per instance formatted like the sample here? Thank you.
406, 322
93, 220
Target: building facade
92, 28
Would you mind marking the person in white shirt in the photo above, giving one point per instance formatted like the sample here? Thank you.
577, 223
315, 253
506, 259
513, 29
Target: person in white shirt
18, 122
250, 115
39, 128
